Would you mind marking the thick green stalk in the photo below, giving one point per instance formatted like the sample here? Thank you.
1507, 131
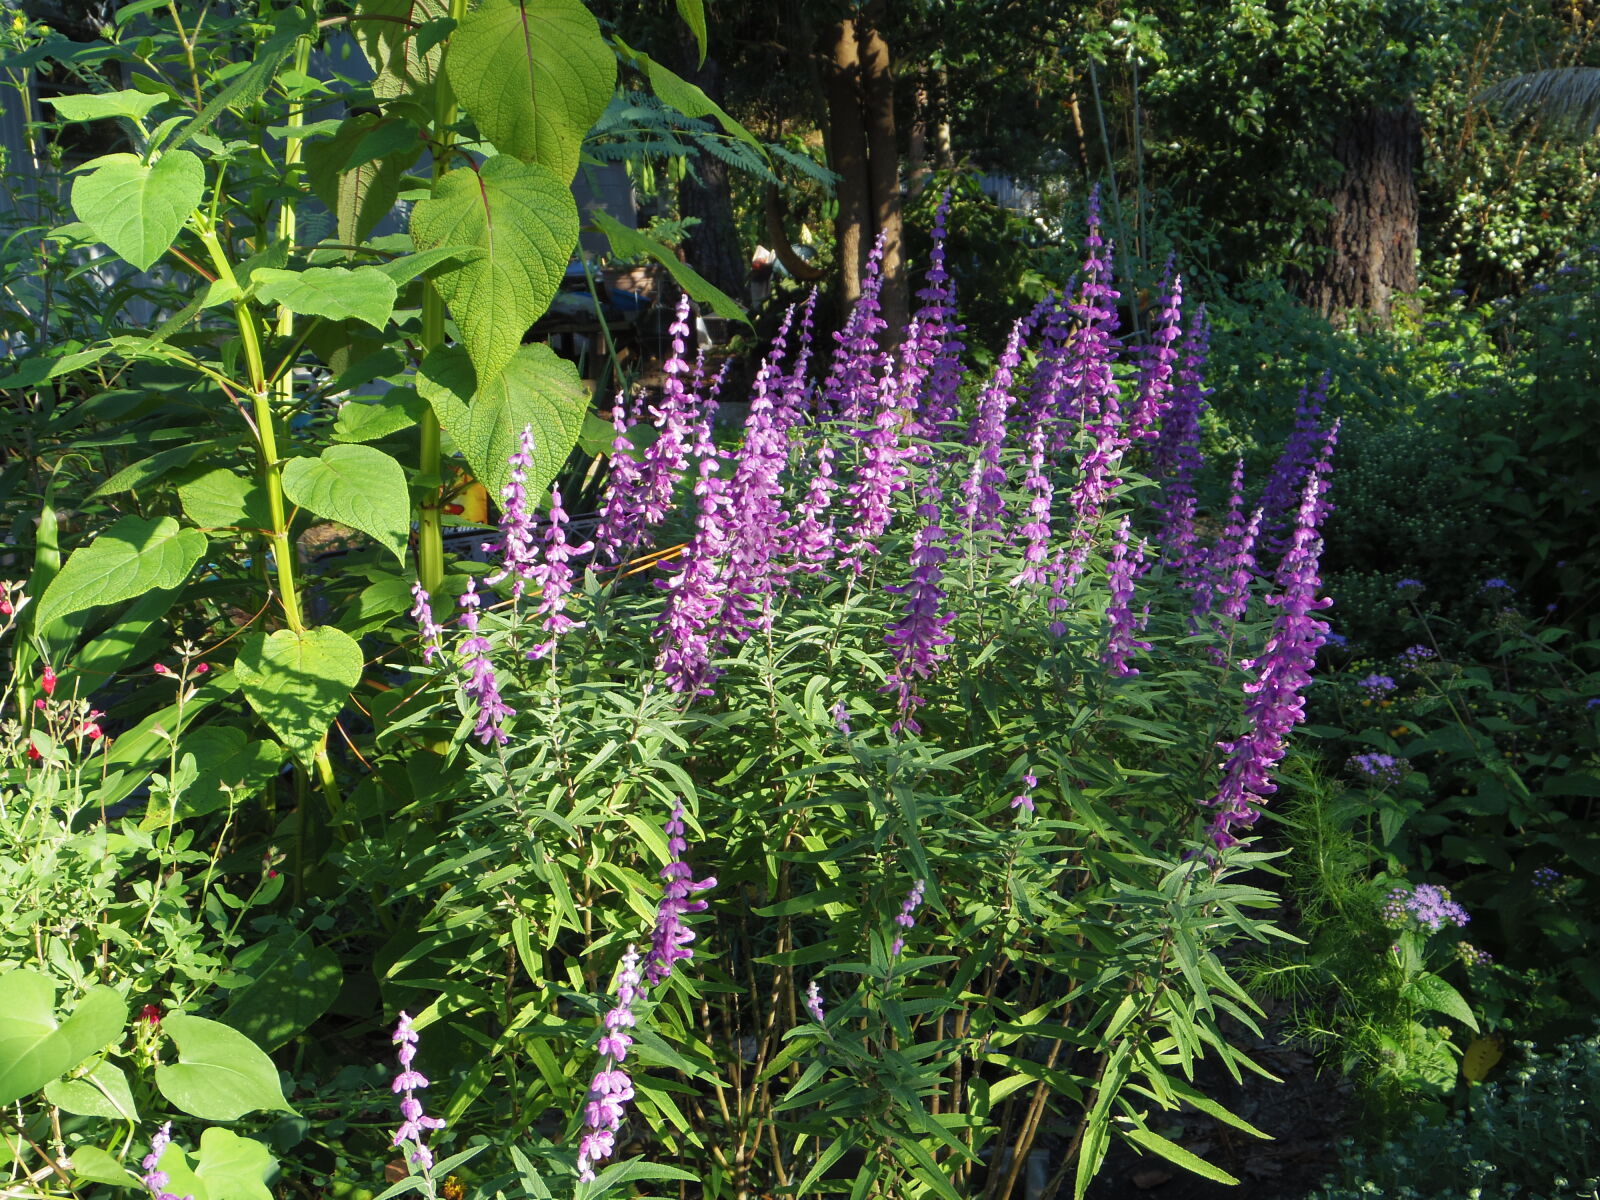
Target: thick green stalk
430, 477
266, 435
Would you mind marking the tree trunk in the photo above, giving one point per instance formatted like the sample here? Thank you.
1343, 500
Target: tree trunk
712, 247
883, 170
847, 153
946, 154
917, 160
1371, 238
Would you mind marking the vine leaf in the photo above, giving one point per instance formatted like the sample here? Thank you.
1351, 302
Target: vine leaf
486, 420
132, 557
534, 76
297, 682
523, 220
358, 486
138, 209
220, 1074
335, 293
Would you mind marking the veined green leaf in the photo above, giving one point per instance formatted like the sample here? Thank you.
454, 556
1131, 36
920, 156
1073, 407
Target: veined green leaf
336, 293
90, 107
138, 210
524, 221
135, 555
298, 682
693, 13
358, 486
534, 75
220, 1074
537, 388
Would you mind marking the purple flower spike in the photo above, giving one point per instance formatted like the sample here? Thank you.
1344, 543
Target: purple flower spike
814, 1003
1087, 387
882, 473
1155, 363
154, 1177
859, 363
612, 1088
414, 1125
481, 684
1289, 472
936, 319
554, 577
622, 509
907, 918
811, 537
432, 632
985, 509
1035, 531
1176, 458
672, 937
516, 521
917, 639
1024, 800
1122, 641
691, 627
1281, 672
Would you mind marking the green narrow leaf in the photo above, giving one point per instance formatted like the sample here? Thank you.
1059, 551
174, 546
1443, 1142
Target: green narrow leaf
139, 210
630, 243
335, 293
688, 98
534, 76
358, 486
536, 388
524, 222
134, 556
693, 13
1177, 1155
220, 1074
298, 682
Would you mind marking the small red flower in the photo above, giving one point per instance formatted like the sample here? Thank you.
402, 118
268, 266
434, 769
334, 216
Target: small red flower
150, 1014
33, 752
162, 669
202, 668
47, 680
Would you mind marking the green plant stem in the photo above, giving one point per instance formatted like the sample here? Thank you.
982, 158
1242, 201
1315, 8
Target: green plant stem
266, 436
430, 475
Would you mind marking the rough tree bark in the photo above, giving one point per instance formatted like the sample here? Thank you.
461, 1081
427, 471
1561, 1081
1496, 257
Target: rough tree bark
883, 173
847, 155
712, 247
1371, 238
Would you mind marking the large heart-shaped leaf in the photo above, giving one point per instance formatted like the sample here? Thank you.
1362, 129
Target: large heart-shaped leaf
220, 1074
523, 220
103, 1093
360, 190
92, 106
298, 682
292, 983
358, 486
224, 499
388, 34
138, 209
228, 1167
337, 293
537, 388
534, 75
135, 555
36, 1049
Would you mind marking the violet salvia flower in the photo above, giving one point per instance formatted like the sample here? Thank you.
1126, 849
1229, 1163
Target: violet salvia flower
907, 918
1156, 362
841, 718
1087, 386
154, 1177
814, 1003
810, 538
1122, 640
985, 508
1035, 531
481, 684
414, 1123
1224, 583
859, 363
672, 937
554, 577
793, 407
1299, 450
936, 318
1024, 800
611, 1088
667, 457
1176, 458
1058, 602
918, 638
516, 520
1281, 672
881, 474
622, 508
691, 629
432, 631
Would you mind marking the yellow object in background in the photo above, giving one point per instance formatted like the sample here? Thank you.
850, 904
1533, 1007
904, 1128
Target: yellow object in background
1480, 1058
